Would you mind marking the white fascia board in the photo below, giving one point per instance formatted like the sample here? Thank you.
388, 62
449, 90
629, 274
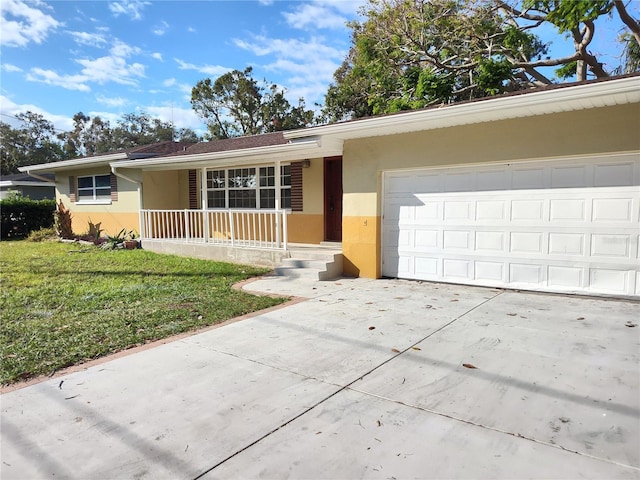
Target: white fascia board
250, 156
25, 183
579, 97
85, 162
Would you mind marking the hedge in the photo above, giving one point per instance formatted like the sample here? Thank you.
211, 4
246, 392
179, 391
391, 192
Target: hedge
20, 216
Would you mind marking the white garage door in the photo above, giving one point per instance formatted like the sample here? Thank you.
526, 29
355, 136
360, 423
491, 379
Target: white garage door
559, 226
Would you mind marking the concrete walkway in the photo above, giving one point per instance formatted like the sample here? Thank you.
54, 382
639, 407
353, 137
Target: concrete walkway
365, 379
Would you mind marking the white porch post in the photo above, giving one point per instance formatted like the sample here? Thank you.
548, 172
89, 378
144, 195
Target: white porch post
277, 203
203, 203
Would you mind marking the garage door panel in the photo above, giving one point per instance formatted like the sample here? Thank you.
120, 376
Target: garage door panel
426, 266
490, 242
614, 175
526, 178
525, 274
566, 244
565, 277
492, 180
490, 272
612, 210
527, 210
457, 239
427, 239
569, 176
457, 210
428, 211
612, 281
490, 210
513, 230
607, 245
567, 209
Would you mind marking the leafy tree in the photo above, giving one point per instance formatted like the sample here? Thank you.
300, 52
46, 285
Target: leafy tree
236, 104
32, 143
92, 136
135, 129
409, 54
89, 136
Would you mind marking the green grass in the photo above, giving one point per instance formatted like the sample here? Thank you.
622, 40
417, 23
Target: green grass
64, 304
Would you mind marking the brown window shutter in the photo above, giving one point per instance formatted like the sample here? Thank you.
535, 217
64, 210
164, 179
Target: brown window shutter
193, 189
114, 188
296, 187
72, 189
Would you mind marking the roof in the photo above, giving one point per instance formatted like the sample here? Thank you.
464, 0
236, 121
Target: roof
237, 143
327, 140
144, 151
541, 101
25, 180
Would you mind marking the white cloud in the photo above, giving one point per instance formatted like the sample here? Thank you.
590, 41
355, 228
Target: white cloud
315, 16
121, 49
180, 117
169, 82
22, 23
90, 39
111, 117
306, 67
131, 8
262, 45
111, 102
329, 14
7, 67
157, 56
111, 69
191, 30
160, 29
8, 107
265, 2
69, 82
213, 70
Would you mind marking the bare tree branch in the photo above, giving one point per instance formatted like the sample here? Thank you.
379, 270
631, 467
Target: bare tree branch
628, 20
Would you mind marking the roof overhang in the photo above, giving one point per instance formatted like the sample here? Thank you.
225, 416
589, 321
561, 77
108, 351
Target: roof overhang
74, 164
25, 183
297, 149
565, 99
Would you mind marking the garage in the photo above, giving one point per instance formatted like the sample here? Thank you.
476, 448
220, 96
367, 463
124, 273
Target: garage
567, 225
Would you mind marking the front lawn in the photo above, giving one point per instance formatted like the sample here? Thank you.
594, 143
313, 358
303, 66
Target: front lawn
63, 304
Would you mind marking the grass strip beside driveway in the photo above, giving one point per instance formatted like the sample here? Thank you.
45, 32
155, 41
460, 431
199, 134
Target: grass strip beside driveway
63, 304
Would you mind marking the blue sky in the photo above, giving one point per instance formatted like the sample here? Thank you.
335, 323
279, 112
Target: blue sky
107, 58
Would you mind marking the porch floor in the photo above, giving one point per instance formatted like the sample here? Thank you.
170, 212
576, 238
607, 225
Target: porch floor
246, 255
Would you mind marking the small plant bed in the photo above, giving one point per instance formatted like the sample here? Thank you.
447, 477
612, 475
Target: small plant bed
63, 304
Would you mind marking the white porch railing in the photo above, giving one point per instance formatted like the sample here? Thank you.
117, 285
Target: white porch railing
237, 228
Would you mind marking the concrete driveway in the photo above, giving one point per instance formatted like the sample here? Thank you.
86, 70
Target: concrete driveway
365, 379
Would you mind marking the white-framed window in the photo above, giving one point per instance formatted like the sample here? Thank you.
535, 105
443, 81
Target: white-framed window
248, 187
94, 188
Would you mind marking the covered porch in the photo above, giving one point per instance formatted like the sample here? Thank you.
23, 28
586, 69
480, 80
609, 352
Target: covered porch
239, 202
258, 237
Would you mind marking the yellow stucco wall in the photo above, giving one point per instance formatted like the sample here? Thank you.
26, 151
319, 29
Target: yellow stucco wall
308, 226
167, 190
607, 129
113, 217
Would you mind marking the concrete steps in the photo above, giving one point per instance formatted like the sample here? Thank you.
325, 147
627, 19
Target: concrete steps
323, 262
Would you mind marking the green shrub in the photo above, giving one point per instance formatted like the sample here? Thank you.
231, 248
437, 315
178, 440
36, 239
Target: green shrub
20, 216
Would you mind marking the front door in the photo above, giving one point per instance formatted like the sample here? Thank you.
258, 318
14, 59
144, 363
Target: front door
333, 199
